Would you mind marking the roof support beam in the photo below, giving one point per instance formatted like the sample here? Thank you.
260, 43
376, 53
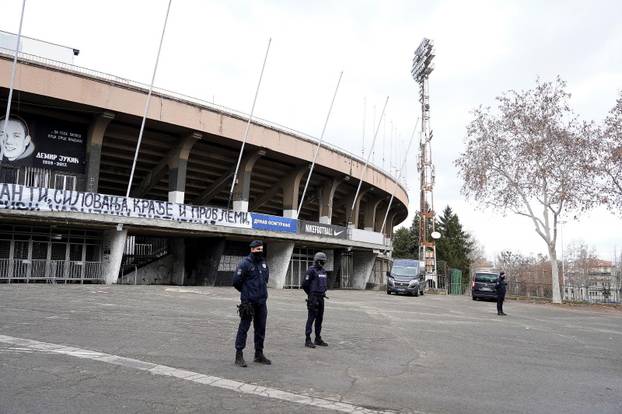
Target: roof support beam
178, 153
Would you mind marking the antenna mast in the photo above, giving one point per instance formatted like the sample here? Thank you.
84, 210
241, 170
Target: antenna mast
421, 69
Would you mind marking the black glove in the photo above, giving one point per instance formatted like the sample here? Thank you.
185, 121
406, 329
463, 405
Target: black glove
246, 310
313, 303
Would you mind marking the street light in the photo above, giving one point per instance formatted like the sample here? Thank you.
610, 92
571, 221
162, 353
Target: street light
422, 62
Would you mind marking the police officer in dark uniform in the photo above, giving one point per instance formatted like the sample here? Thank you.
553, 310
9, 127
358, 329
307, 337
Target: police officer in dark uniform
251, 279
500, 286
315, 285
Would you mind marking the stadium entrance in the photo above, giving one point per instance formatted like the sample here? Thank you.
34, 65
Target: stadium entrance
49, 254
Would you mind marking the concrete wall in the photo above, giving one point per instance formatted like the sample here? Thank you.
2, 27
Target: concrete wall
203, 256
178, 250
155, 273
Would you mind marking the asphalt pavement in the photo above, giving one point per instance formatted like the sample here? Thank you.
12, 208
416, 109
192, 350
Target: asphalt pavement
164, 349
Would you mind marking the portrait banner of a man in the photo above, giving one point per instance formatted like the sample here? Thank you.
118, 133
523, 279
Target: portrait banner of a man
16, 145
43, 143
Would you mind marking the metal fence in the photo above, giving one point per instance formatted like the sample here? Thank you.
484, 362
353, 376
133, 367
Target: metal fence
51, 271
592, 294
569, 293
544, 291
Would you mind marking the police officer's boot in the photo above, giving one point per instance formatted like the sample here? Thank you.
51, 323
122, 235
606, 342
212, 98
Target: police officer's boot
260, 358
320, 342
308, 343
239, 359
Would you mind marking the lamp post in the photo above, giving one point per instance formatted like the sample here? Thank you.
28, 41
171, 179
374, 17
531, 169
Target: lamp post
421, 68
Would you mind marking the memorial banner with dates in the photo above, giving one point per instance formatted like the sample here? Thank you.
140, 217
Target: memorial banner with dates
43, 143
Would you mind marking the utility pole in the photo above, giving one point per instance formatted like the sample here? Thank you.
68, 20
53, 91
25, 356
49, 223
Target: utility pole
421, 69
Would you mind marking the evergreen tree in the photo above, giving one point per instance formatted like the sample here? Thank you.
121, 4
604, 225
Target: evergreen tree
403, 244
455, 245
406, 241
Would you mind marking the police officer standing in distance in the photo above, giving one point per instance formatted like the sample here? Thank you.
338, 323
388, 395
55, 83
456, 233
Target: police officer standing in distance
501, 288
251, 279
315, 285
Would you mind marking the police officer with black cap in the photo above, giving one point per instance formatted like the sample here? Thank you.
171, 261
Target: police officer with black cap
315, 285
500, 287
251, 279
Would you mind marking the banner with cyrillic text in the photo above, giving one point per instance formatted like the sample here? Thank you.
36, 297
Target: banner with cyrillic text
19, 197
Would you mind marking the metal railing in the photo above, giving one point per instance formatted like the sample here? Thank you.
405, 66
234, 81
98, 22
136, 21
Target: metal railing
592, 293
570, 293
71, 68
25, 270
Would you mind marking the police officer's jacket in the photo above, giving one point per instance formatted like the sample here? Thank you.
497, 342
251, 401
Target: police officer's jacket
251, 279
315, 282
500, 286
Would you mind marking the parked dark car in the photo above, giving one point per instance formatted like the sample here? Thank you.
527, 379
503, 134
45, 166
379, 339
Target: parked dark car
406, 276
483, 285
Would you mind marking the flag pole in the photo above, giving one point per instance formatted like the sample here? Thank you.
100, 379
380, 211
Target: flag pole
371, 150
248, 125
147, 101
317, 148
386, 214
13, 69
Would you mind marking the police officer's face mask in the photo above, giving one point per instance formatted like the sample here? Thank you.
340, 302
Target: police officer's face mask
321, 262
257, 254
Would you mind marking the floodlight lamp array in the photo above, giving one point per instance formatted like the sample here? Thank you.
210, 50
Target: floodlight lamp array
422, 62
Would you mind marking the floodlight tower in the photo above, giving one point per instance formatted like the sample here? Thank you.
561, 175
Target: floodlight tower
421, 69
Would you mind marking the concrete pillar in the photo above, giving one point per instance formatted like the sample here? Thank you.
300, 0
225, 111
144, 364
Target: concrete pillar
380, 212
178, 249
94, 141
113, 247
177, 159
327, 195
278, 258
369, 214
291, 191
363, 265
242, 189
353, 214
388, 228
177, 166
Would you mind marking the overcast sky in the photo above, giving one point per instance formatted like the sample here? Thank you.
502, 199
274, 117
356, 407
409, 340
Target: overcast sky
213, 50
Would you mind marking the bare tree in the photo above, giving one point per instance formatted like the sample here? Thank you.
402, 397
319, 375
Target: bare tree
477, 253
581, 258
608, 160
529, 158
515, 265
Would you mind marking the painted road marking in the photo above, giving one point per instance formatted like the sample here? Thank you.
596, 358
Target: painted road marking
212, 381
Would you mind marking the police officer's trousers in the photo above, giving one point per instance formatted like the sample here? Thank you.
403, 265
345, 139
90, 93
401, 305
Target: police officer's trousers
259, 328
315, 308
500, 299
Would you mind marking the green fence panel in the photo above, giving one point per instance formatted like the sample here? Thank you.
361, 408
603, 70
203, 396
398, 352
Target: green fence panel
456, 282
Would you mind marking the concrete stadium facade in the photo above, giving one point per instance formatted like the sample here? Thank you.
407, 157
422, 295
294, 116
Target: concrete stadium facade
64, 216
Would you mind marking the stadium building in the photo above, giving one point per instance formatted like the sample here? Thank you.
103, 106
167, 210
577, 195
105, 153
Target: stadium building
67, 153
